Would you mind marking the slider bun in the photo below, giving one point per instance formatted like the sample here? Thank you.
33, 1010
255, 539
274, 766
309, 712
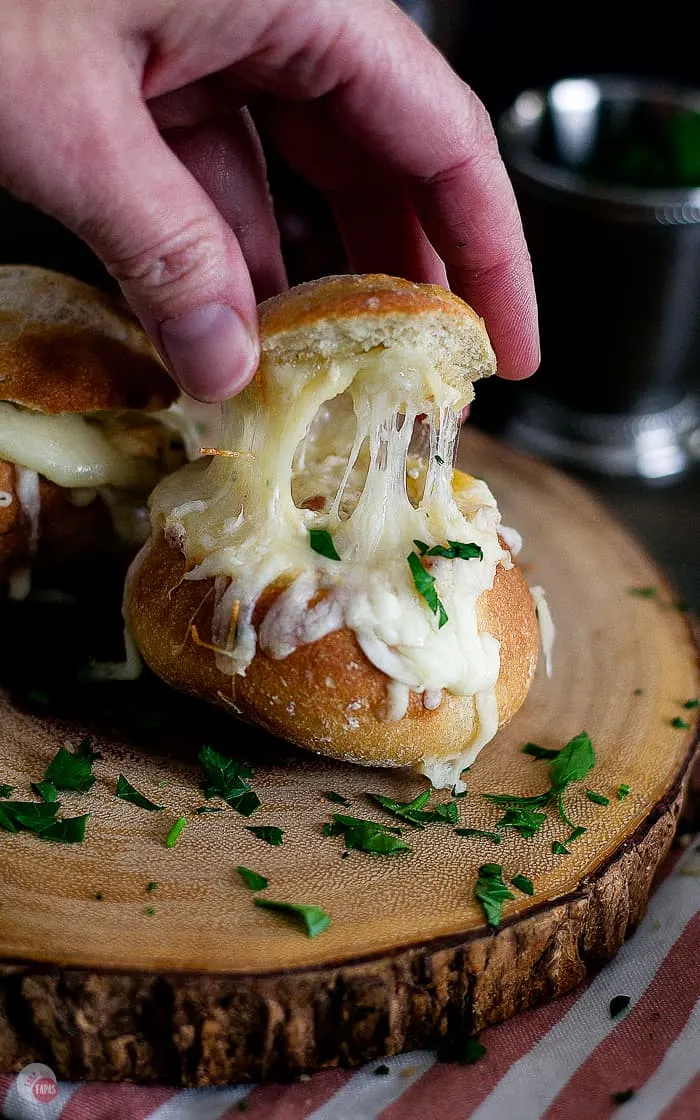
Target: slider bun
311, 696
68, 347
326, 695
342, 315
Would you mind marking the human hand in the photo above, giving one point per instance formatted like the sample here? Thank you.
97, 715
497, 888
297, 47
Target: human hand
134, 123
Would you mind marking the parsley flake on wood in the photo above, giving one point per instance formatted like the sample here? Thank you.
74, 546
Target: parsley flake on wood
573, 762
618, 1004
559, 849
492, 892
525, 821
424, 584
6, 791
638, 692
690, 704
523, 884
45, 790
539, 753
479, 832
313, 918
227, 778
173, 836
623, 791
126, 792
597, 798
252, 879
367, 836
458, 794
269, 833
414, 812
576, 834
201, 809
321, 542
73, 769
40, 818
643, 592
150, 887
336, 798
680, 724
149, 911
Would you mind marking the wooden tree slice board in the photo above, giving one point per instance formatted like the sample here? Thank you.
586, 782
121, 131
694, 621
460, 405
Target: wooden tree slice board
210, 988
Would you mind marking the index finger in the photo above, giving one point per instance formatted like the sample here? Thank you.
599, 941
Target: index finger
404, 104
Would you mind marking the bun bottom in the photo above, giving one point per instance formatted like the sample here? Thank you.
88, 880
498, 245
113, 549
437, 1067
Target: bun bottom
64, 531
325, 696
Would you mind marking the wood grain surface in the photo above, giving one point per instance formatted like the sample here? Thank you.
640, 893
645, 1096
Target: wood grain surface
208, 988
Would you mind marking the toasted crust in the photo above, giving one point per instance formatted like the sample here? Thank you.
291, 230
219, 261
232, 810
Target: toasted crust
325, 696
67, 347
338, 315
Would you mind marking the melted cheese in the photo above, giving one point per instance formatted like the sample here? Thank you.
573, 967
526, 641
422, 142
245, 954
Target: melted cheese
331, 446
79, 450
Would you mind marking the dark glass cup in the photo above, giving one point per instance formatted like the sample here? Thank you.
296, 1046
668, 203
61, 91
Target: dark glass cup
607, 175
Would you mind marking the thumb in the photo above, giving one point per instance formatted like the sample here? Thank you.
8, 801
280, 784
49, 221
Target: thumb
179, 264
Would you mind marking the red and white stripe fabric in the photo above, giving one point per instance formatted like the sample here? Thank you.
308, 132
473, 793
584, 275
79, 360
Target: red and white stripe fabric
563, 1061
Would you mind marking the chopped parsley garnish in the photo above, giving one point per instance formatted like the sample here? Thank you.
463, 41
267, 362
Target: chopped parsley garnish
560, 849
638, 692
622, 1096
458, 795
173, 836
149, 911
313, 918
45, 790
227, 778
576, 834
597, 798
690, 704
618, 1004
538, 752
321, 542
367, 836
523, 884
425, 586
150, 887
455, 550
467, 1052
479, 832
492, 892
6, 791
623, 791
381, 1071
525, 821
439, 460
40, 818
73, 769
99, 896
680, 724
682, 606
571, 764
209, 809
336, 798
643, 592
269, 833
126, 792
414, 812
252, 879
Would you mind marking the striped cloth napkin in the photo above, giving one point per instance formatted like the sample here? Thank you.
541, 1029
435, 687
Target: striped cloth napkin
568, 1060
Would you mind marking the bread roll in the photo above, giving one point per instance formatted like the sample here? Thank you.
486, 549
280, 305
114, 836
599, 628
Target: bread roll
89, 421
325, 574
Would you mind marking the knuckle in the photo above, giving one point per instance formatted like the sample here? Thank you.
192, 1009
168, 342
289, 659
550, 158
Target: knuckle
178, 267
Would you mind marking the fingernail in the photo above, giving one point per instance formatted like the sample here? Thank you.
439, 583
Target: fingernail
210, 350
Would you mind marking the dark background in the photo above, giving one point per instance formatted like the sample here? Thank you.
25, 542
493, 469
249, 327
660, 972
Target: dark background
499, 49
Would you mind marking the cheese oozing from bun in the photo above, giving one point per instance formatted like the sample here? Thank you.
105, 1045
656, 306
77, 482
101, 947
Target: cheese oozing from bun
334, 484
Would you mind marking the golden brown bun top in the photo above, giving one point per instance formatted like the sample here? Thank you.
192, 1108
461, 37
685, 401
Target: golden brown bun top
68, 347
342, 315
